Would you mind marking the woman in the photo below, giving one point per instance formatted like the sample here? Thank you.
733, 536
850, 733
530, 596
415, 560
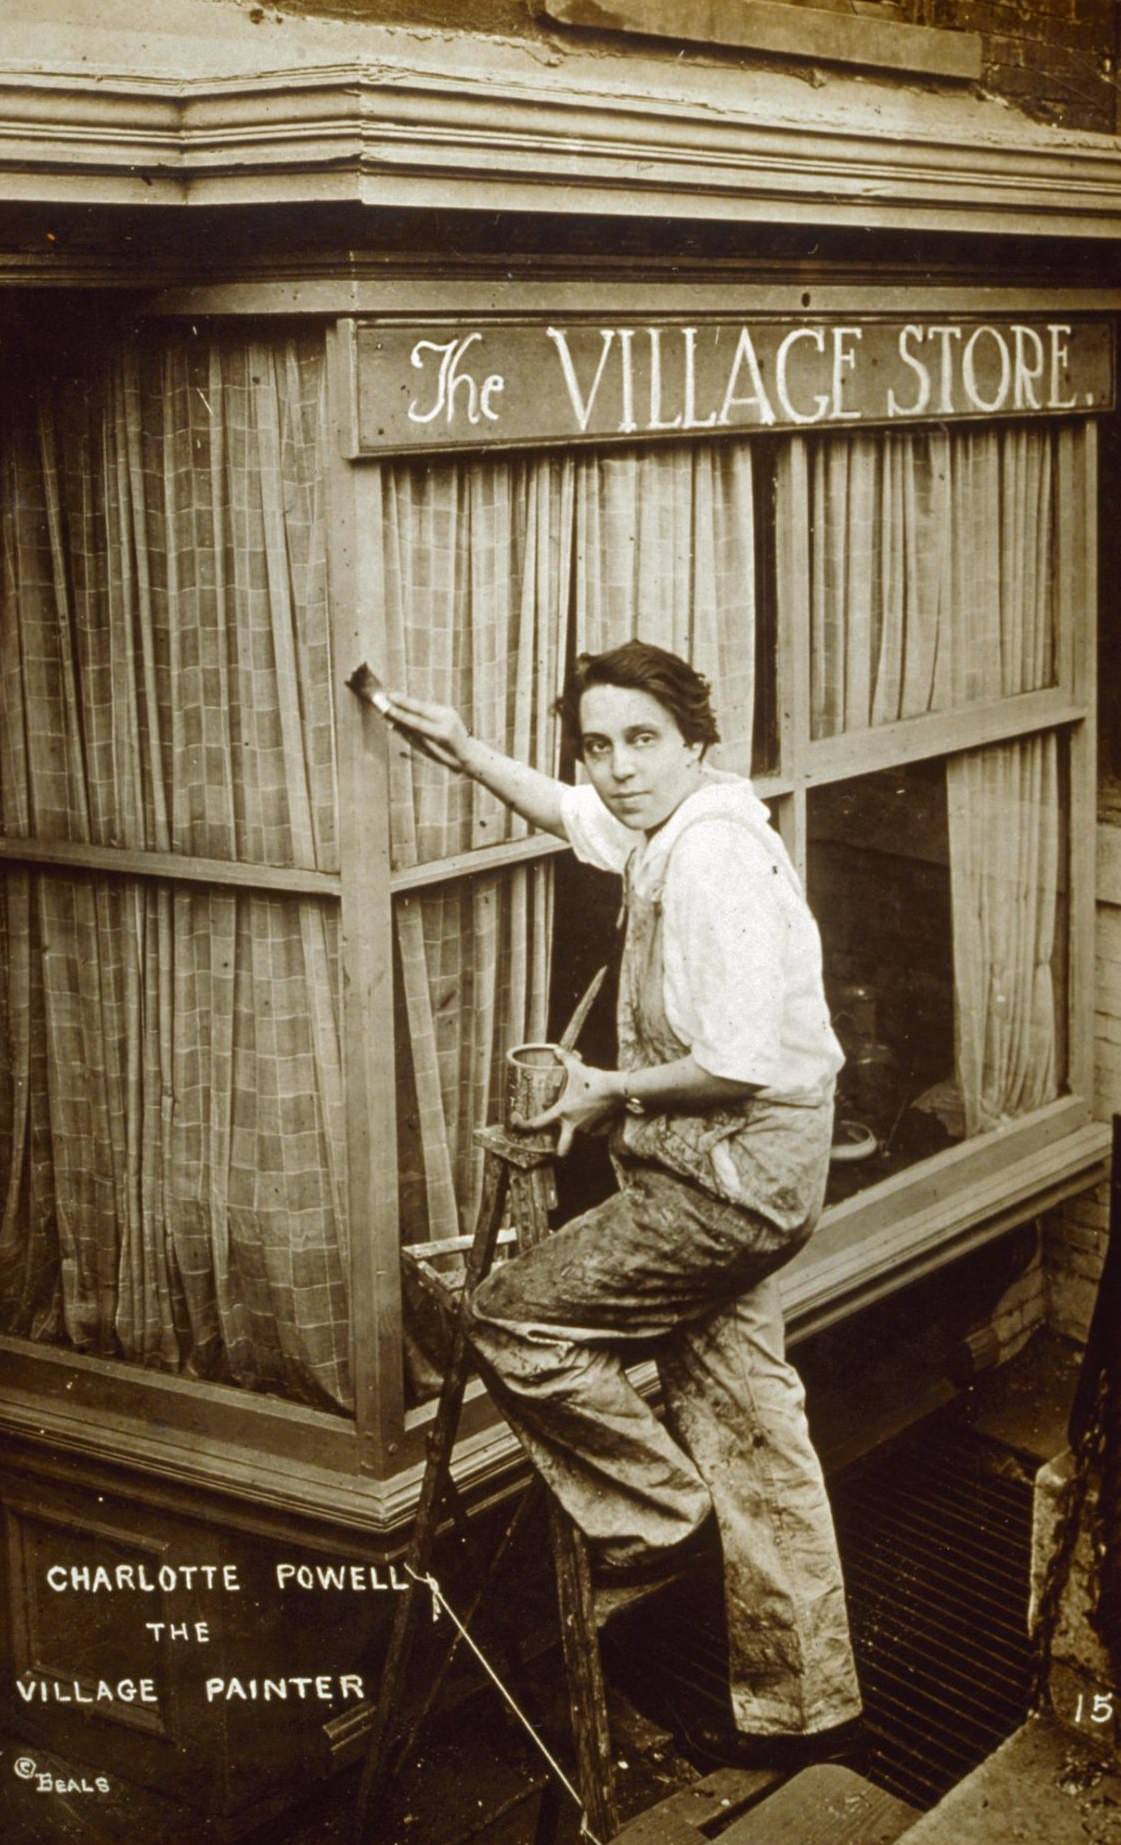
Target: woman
720, 1115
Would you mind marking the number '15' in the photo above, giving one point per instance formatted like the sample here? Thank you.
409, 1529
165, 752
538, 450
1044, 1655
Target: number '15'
1101, 1707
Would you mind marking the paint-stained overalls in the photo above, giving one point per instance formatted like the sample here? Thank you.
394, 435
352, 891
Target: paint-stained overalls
686, 1254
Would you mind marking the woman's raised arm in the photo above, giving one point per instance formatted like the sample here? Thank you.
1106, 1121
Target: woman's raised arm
535, 796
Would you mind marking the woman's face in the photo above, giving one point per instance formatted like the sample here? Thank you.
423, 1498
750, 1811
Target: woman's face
638, 760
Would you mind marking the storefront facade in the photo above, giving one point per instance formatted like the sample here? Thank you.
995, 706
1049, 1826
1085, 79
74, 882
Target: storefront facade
471, 369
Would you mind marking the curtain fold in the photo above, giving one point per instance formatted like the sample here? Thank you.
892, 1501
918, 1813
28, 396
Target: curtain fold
174, 1192
1004, 864
931, 570
665, 550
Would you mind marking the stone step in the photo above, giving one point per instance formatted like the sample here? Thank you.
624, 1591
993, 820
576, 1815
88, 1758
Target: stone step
824, 1805
1044, 1786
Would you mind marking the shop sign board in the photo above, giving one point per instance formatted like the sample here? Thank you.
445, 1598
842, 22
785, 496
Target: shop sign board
451, 385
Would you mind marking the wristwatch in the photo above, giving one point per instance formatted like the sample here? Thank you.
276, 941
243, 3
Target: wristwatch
634, 1105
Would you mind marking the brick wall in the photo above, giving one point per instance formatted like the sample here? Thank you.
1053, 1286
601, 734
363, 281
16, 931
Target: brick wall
1022, 1308
1074, 1237
1054, 59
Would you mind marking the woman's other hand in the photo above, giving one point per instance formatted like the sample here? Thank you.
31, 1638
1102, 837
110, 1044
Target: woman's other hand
589, 1098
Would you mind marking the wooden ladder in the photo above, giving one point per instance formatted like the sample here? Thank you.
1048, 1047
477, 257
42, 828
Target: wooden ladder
517, 1180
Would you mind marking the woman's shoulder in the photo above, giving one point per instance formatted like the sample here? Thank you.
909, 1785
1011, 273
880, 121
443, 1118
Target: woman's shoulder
724, 833
724, 813
712, 844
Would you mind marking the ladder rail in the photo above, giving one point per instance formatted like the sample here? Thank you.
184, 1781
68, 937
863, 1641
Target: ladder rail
523, 1177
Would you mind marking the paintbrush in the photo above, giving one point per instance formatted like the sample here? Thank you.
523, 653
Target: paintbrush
366, 685
576, 1023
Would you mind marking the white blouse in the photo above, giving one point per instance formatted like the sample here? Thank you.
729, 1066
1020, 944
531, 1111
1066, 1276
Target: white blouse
742, 953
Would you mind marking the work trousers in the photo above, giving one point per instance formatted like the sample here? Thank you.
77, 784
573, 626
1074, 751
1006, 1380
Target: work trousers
660, 1264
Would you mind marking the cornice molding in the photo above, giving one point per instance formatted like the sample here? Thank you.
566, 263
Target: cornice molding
386, 135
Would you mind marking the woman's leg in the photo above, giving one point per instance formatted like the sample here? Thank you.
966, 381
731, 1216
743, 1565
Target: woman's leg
737, 1405
555, 1328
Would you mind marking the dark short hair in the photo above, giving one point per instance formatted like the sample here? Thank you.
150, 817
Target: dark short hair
641, 667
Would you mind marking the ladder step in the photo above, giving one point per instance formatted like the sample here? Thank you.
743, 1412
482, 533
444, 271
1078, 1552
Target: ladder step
450, 1245
825, 1805
693, 1814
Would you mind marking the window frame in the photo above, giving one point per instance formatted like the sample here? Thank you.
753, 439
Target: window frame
868, 1244
322, 1468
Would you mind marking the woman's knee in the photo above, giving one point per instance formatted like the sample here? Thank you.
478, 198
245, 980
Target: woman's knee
494, 1305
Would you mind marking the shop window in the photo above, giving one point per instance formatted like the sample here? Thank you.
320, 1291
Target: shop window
941, 890
172, 1154
218, 975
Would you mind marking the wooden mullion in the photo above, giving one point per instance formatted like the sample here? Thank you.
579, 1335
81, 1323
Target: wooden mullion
367, 956
175, 867
504, 856
1077, 577
772, 787
1066, 516
943, 733
792, 593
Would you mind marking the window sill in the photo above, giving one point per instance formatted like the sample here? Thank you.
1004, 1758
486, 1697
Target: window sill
90, 1421
777, 27
918, 1222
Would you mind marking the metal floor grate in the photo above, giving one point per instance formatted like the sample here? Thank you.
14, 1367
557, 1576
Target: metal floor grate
936, 1539
935, 1536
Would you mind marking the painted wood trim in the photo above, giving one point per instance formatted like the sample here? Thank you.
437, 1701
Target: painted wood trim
483, 126
841, 1272
116, 1420
1077, 576
174, 867
36, 1652
404, 289
357, 628
792, 609
295, 1496
1109, 864
1068, 477
924, 1186
185, 1409
502, 857
941, 733
345, 365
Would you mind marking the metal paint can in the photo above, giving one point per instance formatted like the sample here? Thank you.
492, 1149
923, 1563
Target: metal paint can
535, 1077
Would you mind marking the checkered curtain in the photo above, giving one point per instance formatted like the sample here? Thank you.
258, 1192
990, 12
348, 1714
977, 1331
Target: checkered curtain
930, 565
475, 592
665, 545
171, 1122
932, 562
